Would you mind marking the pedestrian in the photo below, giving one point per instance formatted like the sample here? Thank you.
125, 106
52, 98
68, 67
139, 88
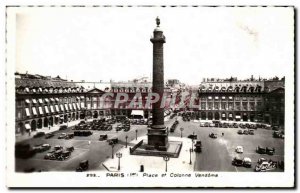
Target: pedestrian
222, 134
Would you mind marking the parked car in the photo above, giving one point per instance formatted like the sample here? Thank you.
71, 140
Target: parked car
251, 132
265, 166
103, 137
239, 149
246, 132
69, 136
39, 134
41, 147
240, 132
62, 136
192, 136
70, 148
237, 161
49, 135
63, 127
260, 150
58, 147
270, 151
213, 135
83, 166
113, 140
247, 162
212, 125
202, 124
64, 155
198, 147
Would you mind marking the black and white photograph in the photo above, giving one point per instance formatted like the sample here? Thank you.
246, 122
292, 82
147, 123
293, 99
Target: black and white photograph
150, 96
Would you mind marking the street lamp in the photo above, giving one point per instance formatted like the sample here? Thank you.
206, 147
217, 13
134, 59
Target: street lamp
181, 129
191, 150
136, 131
166, 158
126, 137
112, 150
119, 155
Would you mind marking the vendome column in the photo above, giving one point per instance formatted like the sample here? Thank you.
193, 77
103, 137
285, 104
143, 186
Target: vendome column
157, 135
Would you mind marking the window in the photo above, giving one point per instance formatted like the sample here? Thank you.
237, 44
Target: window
245, 106
216, 105
203, 106
238, 106
210, 106
223, 105
230, 106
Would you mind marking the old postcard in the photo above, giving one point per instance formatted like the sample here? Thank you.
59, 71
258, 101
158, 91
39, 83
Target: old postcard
150, 96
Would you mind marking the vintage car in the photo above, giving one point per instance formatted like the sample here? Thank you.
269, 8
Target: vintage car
260, 150
270, 151
63, 127
265, 166
41, 147
213, 135
202, 124
62, 136
64, 155
113, 140
58, 147
69, 136
198, 147
39, 134
119, 128
237, 161
49, 135
247, 162
246, 132
70, 148
192, 136
251, 132
83, 166
212, 125
240, 132
102, 137
239, 149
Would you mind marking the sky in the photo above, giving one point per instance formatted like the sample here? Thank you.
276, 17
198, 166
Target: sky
110, 43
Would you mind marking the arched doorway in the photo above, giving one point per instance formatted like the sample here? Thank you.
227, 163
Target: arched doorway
56, 120
223, 116
89, 114
82, 115
245, 117
217, 116
45, 122
51, 121
95, 116
20, 128
210, 116
203, 116
238, 116
40, 124
33, 125
73, 116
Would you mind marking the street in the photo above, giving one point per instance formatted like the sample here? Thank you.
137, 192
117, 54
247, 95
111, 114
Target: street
216, 154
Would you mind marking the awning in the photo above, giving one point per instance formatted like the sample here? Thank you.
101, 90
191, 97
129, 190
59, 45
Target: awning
47, 100
57, 116
209, 97
57, 99
237, 116
34, 101
46, 109
41, 101
74, 106
27, 101
230, 115
66, 107
27, 112
82, 97
223, 115
78, 106
61, 107
89, 106
34, 111
27, 89
230, 97
223, 97
78, 98
41, 110
82, 105
27, 126
95, 105
52, 99
57, 109
216, 97
70, 107
40, 90
52, 109
33, 90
